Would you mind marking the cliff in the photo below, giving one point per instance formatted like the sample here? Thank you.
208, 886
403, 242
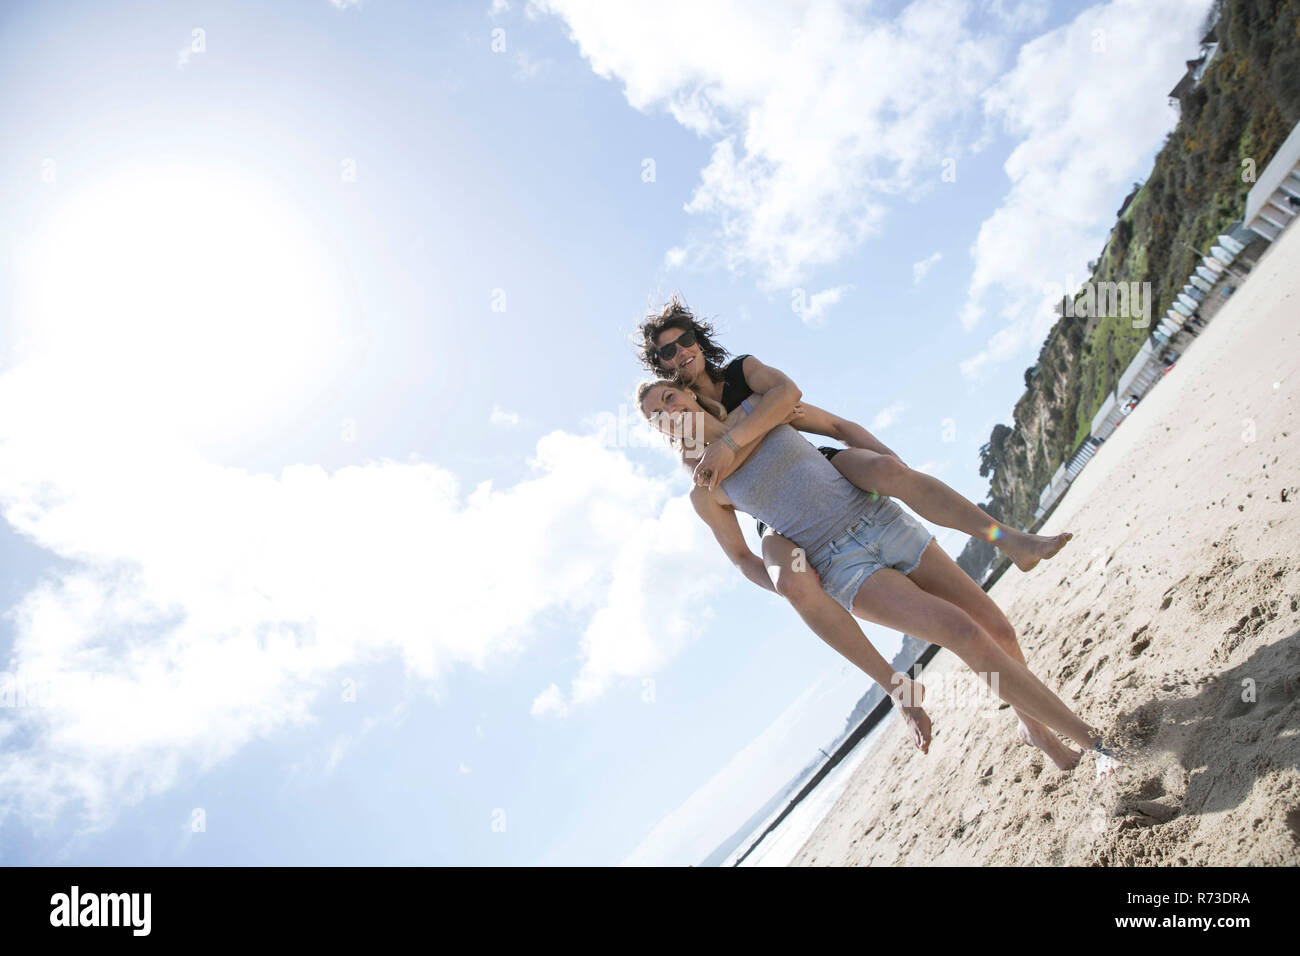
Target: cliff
1230, 125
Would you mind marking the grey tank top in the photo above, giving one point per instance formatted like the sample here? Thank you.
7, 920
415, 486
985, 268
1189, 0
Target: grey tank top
791, 486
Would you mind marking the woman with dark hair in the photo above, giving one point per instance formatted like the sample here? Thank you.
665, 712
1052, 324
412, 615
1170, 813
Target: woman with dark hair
871, 557
678, 345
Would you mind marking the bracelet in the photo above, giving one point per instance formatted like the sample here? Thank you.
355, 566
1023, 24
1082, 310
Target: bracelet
731, 442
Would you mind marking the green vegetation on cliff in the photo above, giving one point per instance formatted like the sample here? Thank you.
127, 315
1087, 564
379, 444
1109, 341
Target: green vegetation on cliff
1246, 103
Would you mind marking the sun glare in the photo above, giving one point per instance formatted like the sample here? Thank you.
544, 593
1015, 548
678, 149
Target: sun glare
191, 302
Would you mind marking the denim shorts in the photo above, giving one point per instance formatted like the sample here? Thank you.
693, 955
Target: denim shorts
884, 537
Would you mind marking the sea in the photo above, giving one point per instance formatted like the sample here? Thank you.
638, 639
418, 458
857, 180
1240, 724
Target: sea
779, 847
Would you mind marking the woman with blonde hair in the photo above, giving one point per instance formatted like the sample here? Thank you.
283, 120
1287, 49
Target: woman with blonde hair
869, 556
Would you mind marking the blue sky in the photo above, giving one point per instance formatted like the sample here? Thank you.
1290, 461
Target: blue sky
329, 534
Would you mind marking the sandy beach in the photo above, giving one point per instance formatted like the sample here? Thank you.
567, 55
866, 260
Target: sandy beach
1171, 621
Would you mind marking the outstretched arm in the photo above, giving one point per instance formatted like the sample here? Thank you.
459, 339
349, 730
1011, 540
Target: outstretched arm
818, 421
722, 522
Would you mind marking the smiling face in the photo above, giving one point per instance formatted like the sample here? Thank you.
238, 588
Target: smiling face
667, 408
686, 362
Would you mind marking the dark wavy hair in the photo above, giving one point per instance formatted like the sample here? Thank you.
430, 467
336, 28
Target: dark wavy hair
676, 315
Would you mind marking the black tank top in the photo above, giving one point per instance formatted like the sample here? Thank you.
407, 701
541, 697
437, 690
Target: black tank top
735, 390
734, 387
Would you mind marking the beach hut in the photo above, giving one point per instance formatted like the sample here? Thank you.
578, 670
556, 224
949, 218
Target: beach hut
1212, 263
1274, 200
1103, 423
1222, 254
1209, 276
1194, 292
1082, 455
1142, 372
1188, 301
1053, 490
1178, 306
1196, 280
1235, 246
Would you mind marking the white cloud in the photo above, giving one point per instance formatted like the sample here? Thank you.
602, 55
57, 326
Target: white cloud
818, 114
204, 607
196, 606
503, 418
919, 269
345, 742
934, 468
887, 416
528, 68
815, 312
498, 7
324, 761
633, 634
344, 4
1088, 101
1018, 14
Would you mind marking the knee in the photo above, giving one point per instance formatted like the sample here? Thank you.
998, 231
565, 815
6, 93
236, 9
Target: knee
1002, 632
892, 469
886, 473
797, 587
962, 635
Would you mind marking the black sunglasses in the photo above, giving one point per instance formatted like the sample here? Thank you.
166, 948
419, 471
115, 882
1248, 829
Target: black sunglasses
685, 340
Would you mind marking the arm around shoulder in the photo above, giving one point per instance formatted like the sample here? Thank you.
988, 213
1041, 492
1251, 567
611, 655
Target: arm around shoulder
778, 396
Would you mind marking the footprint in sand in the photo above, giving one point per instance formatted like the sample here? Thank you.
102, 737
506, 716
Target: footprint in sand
1137, 642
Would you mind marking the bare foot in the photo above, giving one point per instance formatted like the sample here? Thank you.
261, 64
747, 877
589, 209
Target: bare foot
1064, 756
1032, 548
908, 697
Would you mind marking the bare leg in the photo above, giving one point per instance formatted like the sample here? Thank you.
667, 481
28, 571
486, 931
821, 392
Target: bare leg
934, 501
890, 598
796, 581
939, 575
